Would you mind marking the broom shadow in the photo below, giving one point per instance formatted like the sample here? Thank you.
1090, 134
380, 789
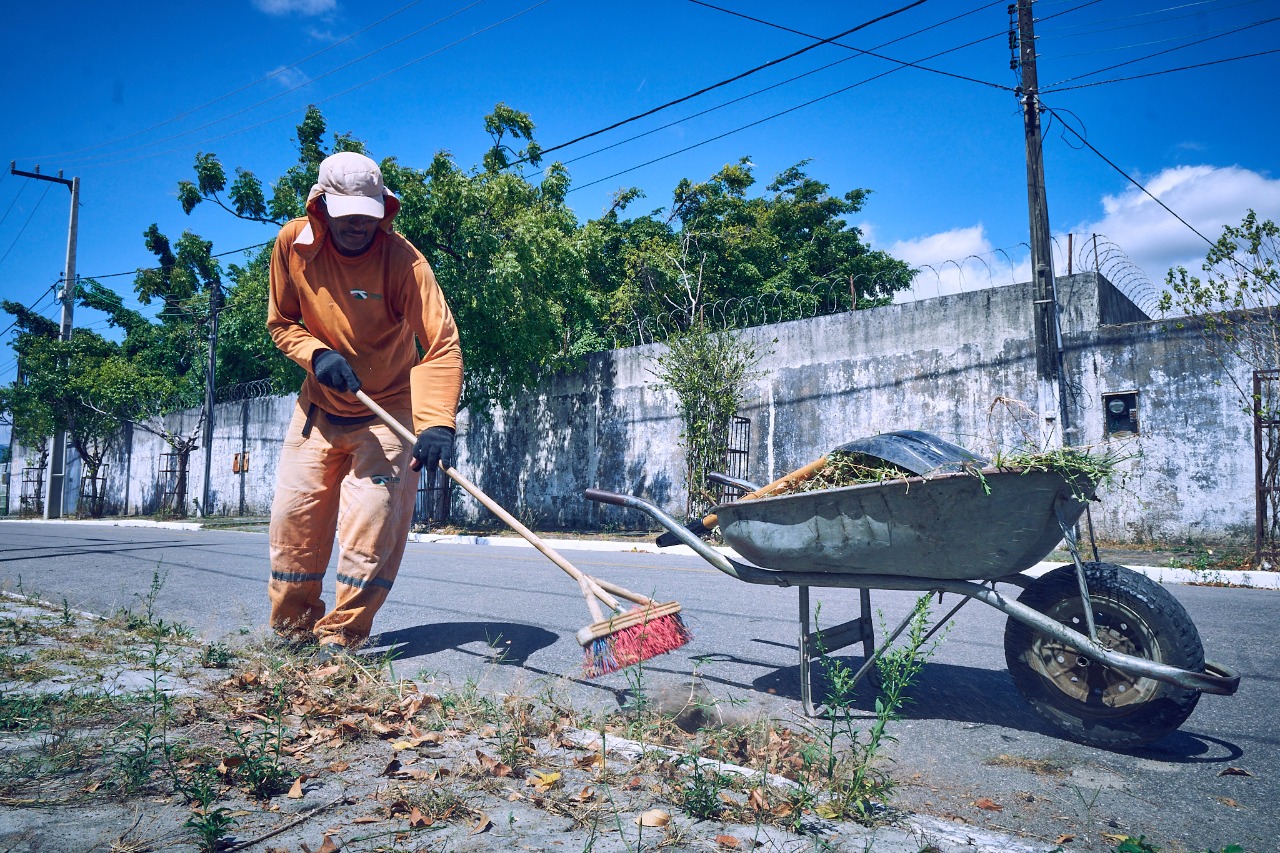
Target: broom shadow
510, 643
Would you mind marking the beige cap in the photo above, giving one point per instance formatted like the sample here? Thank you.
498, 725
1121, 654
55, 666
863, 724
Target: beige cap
352, 185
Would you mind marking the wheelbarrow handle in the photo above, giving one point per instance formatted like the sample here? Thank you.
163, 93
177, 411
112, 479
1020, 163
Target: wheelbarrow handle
704, 525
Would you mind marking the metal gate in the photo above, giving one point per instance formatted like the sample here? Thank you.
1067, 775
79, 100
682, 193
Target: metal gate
431, 506
1266, 461
735, 456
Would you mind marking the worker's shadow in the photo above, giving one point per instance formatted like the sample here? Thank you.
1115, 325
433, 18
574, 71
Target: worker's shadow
506, 643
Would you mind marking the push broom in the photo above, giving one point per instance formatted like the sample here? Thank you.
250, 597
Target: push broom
609, 643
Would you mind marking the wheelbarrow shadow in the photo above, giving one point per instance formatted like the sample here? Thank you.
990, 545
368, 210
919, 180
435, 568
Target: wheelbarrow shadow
506, 643
980, 697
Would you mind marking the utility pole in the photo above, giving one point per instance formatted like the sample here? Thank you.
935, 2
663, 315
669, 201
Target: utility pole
1052, 405
210, 387
55, 473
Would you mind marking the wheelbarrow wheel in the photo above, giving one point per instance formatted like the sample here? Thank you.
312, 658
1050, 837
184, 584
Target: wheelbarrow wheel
1092, 703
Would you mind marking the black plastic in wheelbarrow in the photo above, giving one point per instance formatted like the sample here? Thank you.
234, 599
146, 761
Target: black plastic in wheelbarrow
1101, 651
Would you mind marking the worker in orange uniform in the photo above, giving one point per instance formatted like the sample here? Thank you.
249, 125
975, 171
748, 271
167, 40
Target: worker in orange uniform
348, 298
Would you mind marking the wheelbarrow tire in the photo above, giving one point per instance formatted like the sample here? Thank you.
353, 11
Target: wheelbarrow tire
1092, 703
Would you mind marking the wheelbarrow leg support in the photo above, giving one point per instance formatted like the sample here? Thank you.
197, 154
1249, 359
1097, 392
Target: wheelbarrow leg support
820, 643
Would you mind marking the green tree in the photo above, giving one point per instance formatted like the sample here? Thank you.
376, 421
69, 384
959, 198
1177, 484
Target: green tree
790, 253
32, 414
162, 365
1236, 302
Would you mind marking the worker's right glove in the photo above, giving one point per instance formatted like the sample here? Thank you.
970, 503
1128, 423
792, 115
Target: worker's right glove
433, 449
335, 371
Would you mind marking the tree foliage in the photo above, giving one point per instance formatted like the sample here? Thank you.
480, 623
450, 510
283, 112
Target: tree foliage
534, 289
1236, 296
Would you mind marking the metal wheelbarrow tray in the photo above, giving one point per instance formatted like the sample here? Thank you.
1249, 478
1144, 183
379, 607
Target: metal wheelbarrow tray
1102, 652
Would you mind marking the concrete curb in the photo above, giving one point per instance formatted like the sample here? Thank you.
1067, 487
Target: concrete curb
1208, 577
1212, 577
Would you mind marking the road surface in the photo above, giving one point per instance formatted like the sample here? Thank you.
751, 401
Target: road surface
504, 617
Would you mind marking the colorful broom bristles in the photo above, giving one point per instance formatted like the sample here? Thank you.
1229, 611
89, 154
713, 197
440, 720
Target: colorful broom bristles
631, 637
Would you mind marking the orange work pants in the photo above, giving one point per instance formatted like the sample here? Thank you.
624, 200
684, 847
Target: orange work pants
352, 479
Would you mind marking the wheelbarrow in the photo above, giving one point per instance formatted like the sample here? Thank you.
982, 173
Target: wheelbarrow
1103, 653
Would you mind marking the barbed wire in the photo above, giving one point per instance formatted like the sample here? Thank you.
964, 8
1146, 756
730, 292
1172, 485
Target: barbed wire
268, 387
1085, 253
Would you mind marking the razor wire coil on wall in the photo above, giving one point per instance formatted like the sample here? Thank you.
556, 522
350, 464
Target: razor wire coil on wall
1087, 253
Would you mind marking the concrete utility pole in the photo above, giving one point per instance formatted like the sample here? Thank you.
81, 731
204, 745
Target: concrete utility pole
55, 473
1051, 404
210, 388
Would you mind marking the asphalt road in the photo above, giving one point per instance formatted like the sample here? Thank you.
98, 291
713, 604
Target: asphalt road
504, 617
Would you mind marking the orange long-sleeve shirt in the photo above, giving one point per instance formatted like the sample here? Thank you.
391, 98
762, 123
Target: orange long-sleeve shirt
368, 308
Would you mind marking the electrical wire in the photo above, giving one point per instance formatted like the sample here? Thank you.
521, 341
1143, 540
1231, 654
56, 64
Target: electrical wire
775, 115
1126, 175
859, 50
25, 224
162, 267
279, 95
789, 80
729, 80
22, 186
1163, 52
1057, 32
1043, 56
243, 88
1158, 73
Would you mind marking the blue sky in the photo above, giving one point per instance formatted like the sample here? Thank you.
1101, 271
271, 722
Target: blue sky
125, 96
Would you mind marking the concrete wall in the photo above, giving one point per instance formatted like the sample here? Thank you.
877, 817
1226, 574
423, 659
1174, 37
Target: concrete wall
961, 366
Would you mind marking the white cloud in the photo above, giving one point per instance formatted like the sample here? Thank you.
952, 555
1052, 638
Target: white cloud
1138, 240
299, 7
956, 261
1207, 197
289, 78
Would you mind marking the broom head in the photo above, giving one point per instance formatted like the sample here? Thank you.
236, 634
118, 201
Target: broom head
631, 637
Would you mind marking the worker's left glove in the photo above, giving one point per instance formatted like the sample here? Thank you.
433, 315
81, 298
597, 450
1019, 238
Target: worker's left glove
433, 449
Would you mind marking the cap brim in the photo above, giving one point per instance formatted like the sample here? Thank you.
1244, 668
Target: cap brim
354, 205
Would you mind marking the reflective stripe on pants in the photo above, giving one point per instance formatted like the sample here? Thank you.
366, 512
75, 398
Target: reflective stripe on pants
354, 480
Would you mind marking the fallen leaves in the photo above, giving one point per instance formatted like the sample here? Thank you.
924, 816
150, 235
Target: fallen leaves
492, 766
1234, 771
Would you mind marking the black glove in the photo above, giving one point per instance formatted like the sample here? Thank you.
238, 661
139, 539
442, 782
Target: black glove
334, 371
433, 448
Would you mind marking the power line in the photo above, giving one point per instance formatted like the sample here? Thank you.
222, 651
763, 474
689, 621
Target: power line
243, 88
1163, 52
25, 224
732, 79
22, 186
1126, 175
789, 80
775, 115
1182, 37
1057, 32
1165, 71
162, 267
860, 50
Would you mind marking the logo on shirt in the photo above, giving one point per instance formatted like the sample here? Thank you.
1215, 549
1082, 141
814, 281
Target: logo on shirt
364, 294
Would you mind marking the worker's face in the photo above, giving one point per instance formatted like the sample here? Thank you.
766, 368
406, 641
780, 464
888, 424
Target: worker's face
352, 234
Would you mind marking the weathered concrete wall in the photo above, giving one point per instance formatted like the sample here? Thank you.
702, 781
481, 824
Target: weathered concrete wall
960, 366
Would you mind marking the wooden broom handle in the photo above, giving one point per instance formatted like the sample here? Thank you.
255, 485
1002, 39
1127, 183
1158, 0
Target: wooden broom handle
591, 588
797, 476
